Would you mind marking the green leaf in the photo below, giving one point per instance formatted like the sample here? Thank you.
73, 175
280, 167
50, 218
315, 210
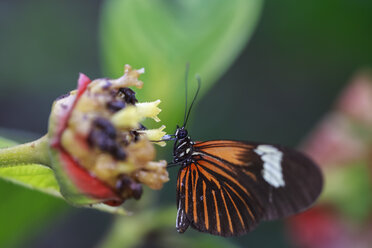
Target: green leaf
23, 212
163, 35
40, 178
32, 176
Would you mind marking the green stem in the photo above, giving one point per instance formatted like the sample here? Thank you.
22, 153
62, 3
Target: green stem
35, 152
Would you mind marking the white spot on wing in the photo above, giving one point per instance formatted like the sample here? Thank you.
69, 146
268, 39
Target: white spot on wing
272, 168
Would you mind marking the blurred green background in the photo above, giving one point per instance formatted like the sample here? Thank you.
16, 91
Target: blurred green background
286, 78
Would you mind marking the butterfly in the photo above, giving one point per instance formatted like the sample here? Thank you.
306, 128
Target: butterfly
226, 187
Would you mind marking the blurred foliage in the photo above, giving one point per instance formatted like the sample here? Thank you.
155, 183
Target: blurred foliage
24, 210
290, 73
155, 228
163, 36
348, 188
283, 82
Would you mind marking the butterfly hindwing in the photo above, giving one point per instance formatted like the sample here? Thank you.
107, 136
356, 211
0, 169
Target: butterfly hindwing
183, 198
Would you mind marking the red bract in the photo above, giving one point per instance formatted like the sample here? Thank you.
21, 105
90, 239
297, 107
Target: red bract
65, 111
81, 178
86, 183
317, 228
83, 82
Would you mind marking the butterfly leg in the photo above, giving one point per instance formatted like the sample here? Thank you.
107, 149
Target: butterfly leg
171, 164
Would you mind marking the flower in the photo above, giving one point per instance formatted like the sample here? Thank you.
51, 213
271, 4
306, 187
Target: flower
100, 151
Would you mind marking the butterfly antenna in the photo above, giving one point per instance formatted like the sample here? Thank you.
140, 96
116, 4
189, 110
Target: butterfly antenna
186, 79
192, 103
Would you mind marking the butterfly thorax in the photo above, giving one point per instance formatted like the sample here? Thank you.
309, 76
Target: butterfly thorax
183, 147
182, 151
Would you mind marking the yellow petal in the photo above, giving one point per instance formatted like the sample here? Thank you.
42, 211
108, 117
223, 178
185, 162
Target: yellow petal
154, 174
149, 109
155, 135
126, 118
130, 78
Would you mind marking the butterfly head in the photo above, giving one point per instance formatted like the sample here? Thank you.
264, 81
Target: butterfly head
181, 133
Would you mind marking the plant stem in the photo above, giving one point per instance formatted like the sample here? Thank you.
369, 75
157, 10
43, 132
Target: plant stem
35, 152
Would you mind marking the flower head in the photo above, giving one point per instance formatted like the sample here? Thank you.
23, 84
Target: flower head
100, 150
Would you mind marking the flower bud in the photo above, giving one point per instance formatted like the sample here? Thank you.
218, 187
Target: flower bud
100, 151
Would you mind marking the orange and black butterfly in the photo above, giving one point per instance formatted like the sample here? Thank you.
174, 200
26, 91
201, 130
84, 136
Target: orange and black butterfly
226, 187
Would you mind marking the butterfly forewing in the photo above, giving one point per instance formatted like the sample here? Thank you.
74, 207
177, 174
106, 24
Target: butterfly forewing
231, 185
303, 183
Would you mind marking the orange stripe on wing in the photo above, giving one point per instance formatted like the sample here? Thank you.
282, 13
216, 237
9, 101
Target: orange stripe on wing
206, 220
217, 215
187, 191
220, 143
250, 174
227, 167
222, 173
219, 163
209, 176
230, 151
193, 183
241, 198
180, 179
227, 212
236, 208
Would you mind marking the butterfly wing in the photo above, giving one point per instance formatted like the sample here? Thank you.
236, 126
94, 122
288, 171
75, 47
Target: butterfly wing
212, 200
302, 184
241, 183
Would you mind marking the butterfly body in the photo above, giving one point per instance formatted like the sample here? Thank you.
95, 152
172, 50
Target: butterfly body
226, 187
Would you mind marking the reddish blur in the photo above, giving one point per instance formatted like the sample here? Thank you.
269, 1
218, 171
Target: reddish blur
341, 142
